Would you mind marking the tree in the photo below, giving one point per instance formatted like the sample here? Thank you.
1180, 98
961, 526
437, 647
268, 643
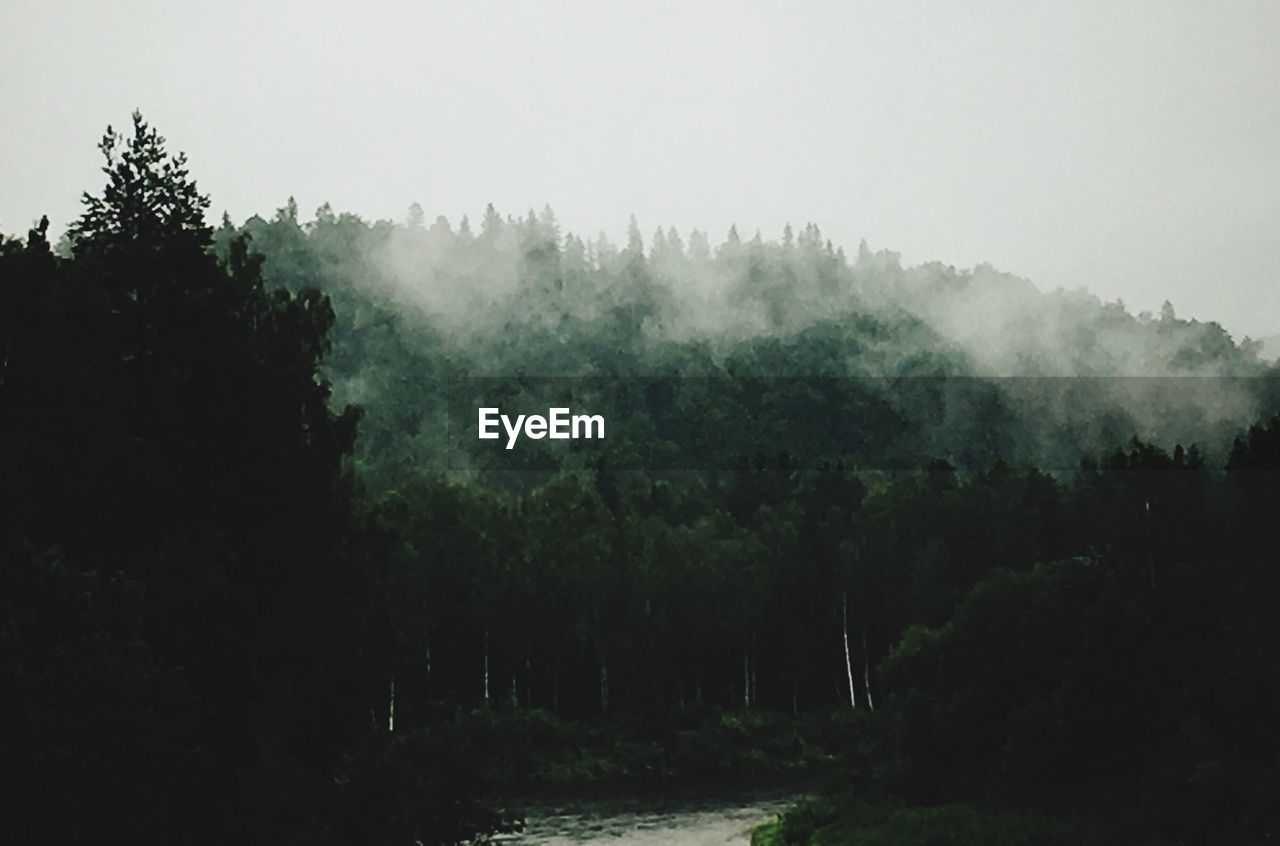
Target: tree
149, 199
178, 453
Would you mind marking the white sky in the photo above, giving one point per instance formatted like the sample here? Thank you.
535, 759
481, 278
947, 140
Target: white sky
1130, 146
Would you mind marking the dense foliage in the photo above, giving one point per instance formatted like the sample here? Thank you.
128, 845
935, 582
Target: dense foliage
235, 608
862, 359
191, 617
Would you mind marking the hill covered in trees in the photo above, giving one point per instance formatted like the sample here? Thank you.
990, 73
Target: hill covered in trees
1010, 571
1001, 370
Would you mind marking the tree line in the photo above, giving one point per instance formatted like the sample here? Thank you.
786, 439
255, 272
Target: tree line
244, 600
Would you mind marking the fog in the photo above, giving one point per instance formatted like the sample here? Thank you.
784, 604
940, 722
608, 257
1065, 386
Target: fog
1126, 150
520, 298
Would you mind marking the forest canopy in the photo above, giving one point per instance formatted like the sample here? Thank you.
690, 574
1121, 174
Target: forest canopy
248, 597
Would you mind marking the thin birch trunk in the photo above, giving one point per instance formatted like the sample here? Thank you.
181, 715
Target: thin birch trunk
391, 706
848, 664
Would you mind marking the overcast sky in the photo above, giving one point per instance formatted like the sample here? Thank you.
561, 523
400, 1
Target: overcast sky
1130, 147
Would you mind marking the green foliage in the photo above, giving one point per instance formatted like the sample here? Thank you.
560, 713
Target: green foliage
1069, 684
215, 597
886, 822
422, 787
149, 202
192, 608
531, 752
422, 305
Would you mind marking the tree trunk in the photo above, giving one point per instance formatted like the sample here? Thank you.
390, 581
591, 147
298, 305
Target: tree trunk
391, 706
486, 665
848, 664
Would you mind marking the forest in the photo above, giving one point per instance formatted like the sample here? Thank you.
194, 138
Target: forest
988, 564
